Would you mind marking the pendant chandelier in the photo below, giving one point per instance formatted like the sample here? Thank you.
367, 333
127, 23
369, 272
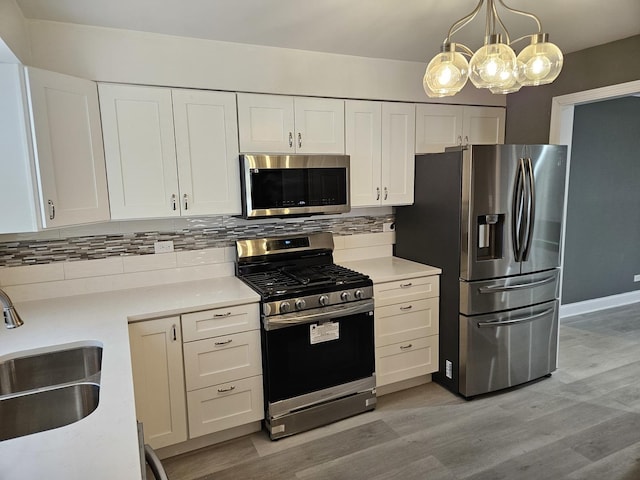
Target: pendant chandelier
495, 65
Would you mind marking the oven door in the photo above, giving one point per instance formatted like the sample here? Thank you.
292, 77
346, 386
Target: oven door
316, 350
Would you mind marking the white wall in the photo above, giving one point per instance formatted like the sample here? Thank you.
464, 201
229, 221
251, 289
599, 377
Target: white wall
113, 55
14, 37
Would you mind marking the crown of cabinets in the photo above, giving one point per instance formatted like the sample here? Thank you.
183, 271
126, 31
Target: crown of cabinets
380, 140
441, 126
53, 171
282, 124
170, 152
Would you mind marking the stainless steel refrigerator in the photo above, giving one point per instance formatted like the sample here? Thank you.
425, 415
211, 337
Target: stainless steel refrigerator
490, 216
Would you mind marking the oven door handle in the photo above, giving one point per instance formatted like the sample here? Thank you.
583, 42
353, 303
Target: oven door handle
325, 314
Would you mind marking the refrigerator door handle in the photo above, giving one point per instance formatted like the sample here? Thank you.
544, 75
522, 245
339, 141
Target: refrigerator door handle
518, 286
531, 210
517, 218
514, 321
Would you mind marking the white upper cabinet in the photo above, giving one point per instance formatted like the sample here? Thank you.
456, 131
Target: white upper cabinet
53, 171
206, 131
282, 124
398, 153
441, 126
380, 138
170, 152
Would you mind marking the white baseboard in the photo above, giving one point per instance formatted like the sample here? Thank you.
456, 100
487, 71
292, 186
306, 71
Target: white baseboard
596, 304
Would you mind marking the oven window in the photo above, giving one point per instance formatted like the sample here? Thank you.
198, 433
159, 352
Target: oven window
295, 366
298, 187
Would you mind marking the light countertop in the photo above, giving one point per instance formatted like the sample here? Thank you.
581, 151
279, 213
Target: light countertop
389, 269
103, 445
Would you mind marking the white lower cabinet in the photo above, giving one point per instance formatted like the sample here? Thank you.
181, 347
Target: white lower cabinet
406, 329
158, 380
223, 368
202, 370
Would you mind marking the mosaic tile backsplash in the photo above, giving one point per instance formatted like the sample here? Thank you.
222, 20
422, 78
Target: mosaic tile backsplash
217, 232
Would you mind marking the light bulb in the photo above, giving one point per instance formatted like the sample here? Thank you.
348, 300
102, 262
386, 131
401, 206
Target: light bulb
492, 65
446, 73
539, 63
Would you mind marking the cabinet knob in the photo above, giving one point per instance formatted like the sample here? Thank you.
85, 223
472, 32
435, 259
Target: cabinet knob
52, 210
228, 389
386, 193
290, 139
299, 140
466, 140
174, 204
377, 193
405, 347
408, 307
459, 139
185, 198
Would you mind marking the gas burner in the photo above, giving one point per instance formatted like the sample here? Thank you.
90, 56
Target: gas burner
300, 278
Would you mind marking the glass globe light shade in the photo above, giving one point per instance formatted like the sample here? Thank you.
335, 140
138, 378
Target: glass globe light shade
539, 63
446, 74
511, 84
488, 65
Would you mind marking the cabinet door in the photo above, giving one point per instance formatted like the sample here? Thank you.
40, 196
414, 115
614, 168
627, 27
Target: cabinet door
319, 125
363, 122
405, 360
207, 152
438, 127
398, 154
140, 151
265, 123
67, 139
158, 380
483, 125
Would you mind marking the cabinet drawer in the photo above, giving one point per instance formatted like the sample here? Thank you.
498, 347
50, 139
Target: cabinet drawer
221, 321
403, 321
222, 359
406, 290
405, 360
225, 406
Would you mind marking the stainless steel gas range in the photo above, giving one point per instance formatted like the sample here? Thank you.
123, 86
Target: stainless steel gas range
317, 331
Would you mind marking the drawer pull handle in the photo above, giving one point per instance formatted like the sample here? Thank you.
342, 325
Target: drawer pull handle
228, 389
221, 315
405, 347
226, 342
406, 285
408, 307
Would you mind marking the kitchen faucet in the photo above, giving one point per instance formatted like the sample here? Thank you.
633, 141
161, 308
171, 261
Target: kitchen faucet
11, 317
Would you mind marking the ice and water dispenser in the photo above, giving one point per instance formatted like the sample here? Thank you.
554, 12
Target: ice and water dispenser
489, 246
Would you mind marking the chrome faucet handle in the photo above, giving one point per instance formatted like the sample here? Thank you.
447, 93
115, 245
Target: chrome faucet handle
11, 317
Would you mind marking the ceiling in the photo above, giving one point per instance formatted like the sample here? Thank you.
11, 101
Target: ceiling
394, 29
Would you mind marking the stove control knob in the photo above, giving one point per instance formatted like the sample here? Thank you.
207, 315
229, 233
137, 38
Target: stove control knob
300, 304
285, 307
345, 296
323, 300
358, 294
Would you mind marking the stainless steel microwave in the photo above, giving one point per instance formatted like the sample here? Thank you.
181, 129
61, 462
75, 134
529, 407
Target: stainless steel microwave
294, 185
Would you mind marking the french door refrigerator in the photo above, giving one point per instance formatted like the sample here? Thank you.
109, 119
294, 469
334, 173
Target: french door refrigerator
490, 216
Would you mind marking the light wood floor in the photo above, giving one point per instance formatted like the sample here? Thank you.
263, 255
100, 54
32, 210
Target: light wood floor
582, 423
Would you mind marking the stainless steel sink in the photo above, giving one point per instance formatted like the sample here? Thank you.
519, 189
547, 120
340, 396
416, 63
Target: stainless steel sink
51, 368
46, 390
48, 409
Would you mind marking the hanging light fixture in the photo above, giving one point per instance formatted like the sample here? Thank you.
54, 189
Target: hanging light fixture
495, 65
